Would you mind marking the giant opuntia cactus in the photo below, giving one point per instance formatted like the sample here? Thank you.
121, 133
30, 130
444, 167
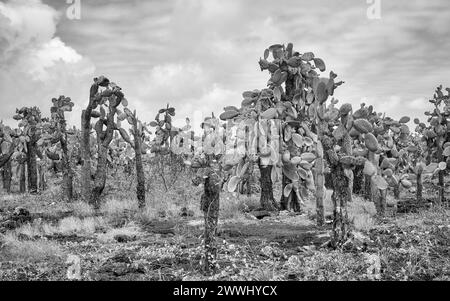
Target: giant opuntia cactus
30, 123
256, 142
298, 103
437, 137
338, 152
208, 161
281, 118
377, 138
107, 102
165, 131
7, 148
56, 136
138, 131
169, 162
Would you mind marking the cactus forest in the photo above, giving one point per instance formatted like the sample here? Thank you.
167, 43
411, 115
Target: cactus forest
288, 181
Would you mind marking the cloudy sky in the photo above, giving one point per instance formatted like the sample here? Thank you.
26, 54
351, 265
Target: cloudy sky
200, 55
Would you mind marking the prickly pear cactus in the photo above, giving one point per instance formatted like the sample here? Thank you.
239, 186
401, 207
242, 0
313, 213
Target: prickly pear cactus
164, 131
7, 144
436, 138
55, 141
338, 152
104, 102
381, 140
207, 160
31, 128
138, 130
7, 148
279, 119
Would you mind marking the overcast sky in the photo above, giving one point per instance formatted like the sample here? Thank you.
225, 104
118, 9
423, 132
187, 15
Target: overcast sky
202, 54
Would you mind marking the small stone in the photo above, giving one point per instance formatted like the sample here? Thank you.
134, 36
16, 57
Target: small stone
260, 214
122, 238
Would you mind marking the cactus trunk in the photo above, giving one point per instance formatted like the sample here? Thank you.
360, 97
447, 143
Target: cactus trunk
67, 170
86, 152
100, 176
340, 197
419, 188
320, 193
373, 189
382, 205
210, 208
319, 172
291, 202
358, 182
267, 200
441, 196
440, 157
6, 176
245, 188
104, 139
367, 188
42, 179
397, 192
32, 166
140, 189
22, 178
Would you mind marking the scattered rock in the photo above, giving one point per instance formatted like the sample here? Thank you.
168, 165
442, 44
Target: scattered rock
21, 214
111, 270
307, 249
122, 256
185, 212
15, 219
374, 269
122, 238
260, 214
267, 251
120, 266
162, 214
284, 213
250, 216
357, 242
271, 251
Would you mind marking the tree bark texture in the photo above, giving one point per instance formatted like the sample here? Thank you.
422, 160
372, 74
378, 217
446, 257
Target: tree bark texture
210, 208
267, 200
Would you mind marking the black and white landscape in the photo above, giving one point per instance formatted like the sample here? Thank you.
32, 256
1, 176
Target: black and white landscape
238, 140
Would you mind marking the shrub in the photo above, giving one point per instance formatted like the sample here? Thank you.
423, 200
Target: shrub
13, 249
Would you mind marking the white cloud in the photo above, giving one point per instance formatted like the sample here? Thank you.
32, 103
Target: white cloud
202, 54
36, 65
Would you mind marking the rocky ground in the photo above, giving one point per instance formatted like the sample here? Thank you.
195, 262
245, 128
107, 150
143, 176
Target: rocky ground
60, 245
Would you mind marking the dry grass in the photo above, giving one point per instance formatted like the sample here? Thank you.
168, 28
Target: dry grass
67, 226
74, 225
82, 209
115, 206
362, 213
13, 249
233, 205
424, 218
130, 230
